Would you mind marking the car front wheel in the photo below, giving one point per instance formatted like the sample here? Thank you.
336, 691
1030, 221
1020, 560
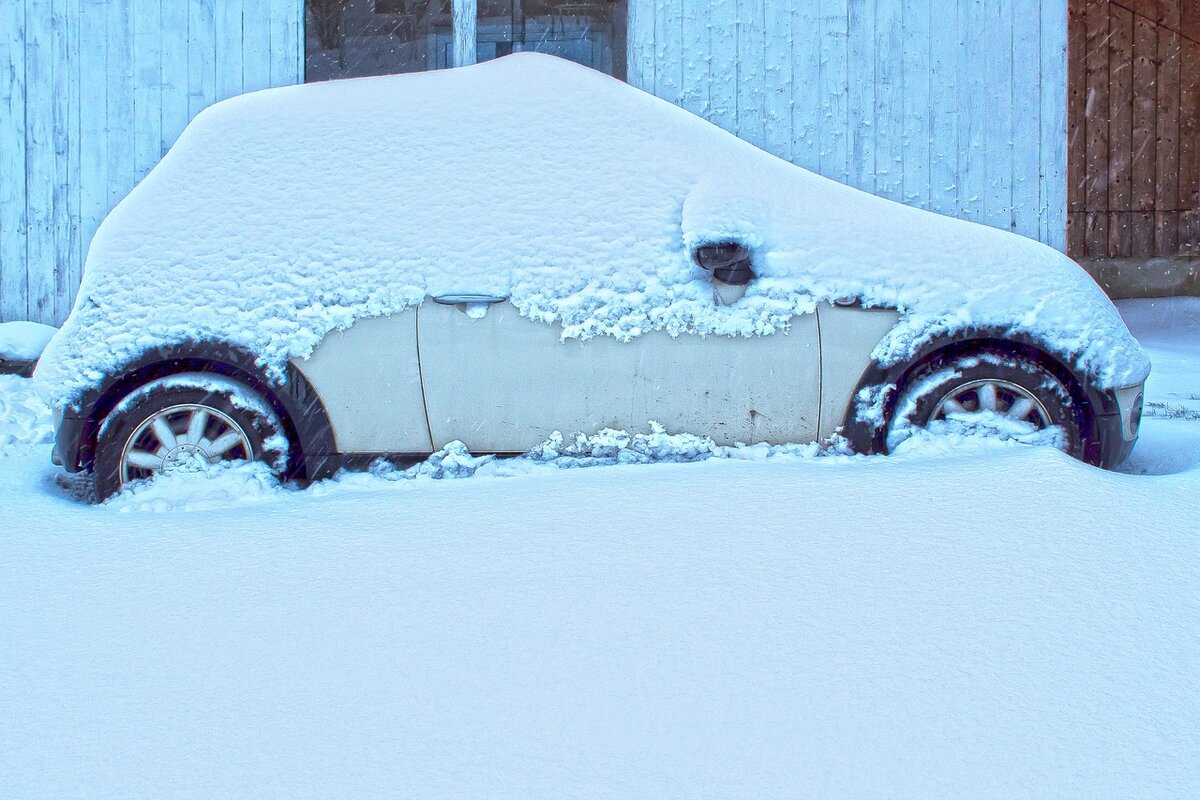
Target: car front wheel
185, 423
988, 391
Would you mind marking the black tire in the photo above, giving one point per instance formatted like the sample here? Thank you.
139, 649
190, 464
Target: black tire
924, 394
233, 412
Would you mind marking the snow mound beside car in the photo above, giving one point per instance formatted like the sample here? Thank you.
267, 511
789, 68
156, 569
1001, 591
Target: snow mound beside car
282, 215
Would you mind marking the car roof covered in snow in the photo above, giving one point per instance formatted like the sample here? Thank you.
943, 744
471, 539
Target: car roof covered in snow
282, 215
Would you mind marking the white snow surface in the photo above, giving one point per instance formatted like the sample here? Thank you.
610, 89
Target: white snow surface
24, 341
1171, 328
966, 618
281, 215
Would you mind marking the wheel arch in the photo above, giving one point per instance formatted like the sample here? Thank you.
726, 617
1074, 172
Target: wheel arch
888, 382
294, 400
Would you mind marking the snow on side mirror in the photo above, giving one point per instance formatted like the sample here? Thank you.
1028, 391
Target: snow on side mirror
729, 264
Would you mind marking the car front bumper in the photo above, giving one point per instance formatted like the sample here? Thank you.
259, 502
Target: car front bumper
1117, 432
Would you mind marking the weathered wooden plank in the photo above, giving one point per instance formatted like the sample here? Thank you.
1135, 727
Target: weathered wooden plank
694, 52
287, 42
1096, 121
1077, 95
256, 45
750, 30
1120, 234
833, 77
13, 220
464, 14
1189, 146
1024, 153
916, 126
174, 75
999, 78
1168, 13
93, 120
1076, 234
122, 173
1052, 117
799, 77
640, 43
888, 115
39, 166
784, 48
202, 72
1096, 234
1144, 157
1166, 184
943, 111
1189, 21
1166, 233
66, 149
668, 51
722, 46
147, 87
861, 88
1145, 8
1141, 234
1120, 131
973, 110
227, 40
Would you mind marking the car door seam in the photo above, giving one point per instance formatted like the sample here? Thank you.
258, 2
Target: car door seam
820, 376
421, 374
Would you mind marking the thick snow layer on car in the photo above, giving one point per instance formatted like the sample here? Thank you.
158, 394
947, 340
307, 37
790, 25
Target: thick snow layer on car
282, 215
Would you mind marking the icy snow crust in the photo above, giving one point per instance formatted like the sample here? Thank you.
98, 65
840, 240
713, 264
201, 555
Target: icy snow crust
282, 215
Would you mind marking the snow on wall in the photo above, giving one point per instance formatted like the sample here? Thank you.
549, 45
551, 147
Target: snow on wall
285, 214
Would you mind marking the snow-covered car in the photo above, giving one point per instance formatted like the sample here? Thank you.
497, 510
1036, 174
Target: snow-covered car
320, 275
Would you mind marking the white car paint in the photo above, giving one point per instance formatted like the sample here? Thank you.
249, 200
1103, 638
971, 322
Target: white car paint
500, 382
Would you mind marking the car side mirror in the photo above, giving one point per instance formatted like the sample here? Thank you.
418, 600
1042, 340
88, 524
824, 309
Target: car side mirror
729, 264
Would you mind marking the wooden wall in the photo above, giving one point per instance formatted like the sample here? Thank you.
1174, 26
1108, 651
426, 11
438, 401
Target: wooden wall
92, 93
1134, 128
958, 106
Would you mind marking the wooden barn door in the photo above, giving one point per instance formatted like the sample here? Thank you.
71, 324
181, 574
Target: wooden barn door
1133, 128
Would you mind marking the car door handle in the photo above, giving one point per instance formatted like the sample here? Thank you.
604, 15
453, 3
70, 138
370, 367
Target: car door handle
468, 299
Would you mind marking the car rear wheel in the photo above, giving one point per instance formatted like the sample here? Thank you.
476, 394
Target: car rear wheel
988, 391
185, 424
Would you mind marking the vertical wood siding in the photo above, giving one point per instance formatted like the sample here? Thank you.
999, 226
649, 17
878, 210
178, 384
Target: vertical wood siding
1134, 128
92, 93
958, 106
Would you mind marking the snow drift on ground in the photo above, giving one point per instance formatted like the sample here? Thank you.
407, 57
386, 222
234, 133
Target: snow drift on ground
966, 618
24, 418
1171, 328
23, 341
284, 214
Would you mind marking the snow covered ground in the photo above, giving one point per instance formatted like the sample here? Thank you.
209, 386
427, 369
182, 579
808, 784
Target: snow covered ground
965, 618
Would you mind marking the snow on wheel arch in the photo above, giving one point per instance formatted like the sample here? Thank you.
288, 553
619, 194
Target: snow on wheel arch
282, 215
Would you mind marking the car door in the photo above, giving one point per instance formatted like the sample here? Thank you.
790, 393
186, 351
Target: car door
500, 382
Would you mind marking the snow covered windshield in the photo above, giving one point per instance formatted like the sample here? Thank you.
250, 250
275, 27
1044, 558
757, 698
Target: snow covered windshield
282, 215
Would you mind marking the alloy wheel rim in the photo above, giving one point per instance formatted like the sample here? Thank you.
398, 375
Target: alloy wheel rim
181, 435
1003, 398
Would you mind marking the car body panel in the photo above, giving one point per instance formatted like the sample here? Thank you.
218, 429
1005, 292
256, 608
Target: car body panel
504, 383
848, 338
369, 381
